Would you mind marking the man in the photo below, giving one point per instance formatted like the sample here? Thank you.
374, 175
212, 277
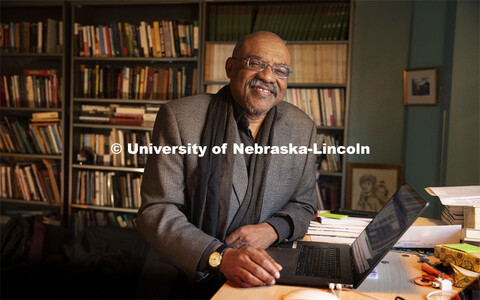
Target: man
217, 213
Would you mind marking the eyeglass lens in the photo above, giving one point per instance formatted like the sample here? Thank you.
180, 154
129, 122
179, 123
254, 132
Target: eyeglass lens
259, 65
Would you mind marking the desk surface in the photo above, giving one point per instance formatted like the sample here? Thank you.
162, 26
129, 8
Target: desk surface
395, 274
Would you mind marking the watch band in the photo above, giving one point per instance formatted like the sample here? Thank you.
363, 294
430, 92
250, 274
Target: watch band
222, 248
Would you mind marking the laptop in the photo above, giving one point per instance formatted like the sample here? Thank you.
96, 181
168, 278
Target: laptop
318, 264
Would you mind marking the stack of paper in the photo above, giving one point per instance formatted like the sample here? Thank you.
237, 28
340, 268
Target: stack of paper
462, 206
424, 233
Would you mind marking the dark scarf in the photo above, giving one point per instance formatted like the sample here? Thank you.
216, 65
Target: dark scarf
208, 209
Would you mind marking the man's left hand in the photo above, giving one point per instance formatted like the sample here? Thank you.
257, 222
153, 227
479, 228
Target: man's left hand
259, 236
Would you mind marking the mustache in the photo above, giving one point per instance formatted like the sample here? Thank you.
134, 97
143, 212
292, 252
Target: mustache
256, 82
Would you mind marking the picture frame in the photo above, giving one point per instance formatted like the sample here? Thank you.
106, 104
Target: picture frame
371, 185
420, 86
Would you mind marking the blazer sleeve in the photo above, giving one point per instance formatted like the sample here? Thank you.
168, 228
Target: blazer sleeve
302, 205
161, 219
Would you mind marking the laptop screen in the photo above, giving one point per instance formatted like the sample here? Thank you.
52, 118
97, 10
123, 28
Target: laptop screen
385, 230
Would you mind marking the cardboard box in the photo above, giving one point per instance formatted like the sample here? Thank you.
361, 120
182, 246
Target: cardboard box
469, 261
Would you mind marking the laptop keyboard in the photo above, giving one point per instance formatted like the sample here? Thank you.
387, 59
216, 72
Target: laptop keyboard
317, 261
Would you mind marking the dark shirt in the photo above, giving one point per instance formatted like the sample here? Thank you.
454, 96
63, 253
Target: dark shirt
283, 225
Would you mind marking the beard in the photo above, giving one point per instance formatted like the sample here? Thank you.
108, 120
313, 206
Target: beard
253, 84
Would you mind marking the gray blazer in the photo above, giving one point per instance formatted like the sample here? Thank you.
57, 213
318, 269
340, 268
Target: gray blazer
169, 178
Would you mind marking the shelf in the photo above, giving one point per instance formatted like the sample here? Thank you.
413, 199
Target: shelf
21, 201
108, 126
28, 109
286, 42
139, 2
120, 101
291, 85
326, 173
107, 168
32, 55
105, 208
316, 85
31, 156
137, 59
330, 128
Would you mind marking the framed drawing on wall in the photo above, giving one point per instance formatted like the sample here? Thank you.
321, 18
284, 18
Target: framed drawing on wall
371, 185
420, 87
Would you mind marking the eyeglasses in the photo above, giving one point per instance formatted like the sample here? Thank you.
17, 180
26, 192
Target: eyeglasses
258, 64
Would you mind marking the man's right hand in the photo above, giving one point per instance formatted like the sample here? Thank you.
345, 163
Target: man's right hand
248, 267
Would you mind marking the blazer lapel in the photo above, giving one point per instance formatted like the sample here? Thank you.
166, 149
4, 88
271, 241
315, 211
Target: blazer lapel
240, 176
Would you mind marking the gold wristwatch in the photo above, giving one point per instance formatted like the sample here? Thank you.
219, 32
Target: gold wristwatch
215, 259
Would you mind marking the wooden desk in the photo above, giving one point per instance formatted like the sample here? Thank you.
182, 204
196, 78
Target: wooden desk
395, 274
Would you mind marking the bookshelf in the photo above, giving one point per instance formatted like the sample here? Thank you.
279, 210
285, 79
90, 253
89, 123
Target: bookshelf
127, 59
317, 35
33, 64
93, 86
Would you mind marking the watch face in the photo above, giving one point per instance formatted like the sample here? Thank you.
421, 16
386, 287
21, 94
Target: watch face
215, 259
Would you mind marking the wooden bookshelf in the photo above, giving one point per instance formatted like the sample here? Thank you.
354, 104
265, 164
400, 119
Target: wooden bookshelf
278, 16
141, 54
22, 50
318, 36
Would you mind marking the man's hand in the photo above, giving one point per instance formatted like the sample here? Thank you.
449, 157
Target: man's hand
259, 236
247, 267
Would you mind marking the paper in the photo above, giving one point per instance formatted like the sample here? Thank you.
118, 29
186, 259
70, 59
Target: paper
332, 239
457, 195
425, 236
467, 248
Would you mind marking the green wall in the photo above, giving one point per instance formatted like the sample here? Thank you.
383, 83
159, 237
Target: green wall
381, 34
390, 36
463, 156
431, 45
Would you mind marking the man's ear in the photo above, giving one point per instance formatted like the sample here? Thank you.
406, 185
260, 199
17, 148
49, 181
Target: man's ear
229, 67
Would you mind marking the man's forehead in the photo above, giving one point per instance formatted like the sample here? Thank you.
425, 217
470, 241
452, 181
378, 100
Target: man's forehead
271, 49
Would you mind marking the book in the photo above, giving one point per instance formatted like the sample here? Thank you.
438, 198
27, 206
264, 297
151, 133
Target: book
352, 221
53, 175
471, 217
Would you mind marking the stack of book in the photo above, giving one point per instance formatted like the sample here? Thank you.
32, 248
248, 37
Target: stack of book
140, 82
35, 88
22, 136
336, 228
87, 218
326, 63
471, 230
462, 206
96, 148
108, 189
302, 22
164, 38
330, 161
452, 215
31, 182
32, 37
340, 228
328, 193
118, 114
325, 107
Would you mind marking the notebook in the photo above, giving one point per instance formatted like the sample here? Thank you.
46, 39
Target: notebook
318, 264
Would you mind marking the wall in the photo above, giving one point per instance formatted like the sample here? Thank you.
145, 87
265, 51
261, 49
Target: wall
431, 45
463, 155
381, 33
390, 36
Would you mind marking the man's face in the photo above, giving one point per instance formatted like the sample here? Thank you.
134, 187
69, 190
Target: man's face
257, 92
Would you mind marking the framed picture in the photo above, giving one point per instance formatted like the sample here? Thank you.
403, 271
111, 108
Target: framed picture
371, 185
420, 87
